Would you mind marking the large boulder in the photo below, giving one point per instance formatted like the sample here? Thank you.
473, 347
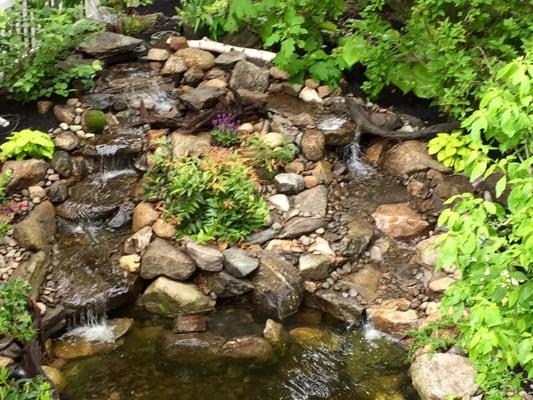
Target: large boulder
169, 298
207, 258
299, 226
196, 57
225, 286
249, 348
24, 173
144, 214
278, 287
202, 97
184, 144
106, 44
37, 230
313, 145
313, 201
239, 263
190, 347
393, 316
409, 157
34, 271
443, 376
342, 308
164, 259
400, 221
249, 76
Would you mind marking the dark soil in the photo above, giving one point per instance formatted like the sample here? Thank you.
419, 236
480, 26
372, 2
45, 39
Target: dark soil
23, 116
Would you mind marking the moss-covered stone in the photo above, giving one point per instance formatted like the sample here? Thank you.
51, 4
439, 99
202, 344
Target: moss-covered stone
94, 121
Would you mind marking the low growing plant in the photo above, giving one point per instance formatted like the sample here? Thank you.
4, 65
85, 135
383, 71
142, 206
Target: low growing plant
27, 144
15, 321
23, 389
262, 155
4, 181
225, 130
208, 198
31, 74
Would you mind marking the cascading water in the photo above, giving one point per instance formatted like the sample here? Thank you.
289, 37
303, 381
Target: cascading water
91, 324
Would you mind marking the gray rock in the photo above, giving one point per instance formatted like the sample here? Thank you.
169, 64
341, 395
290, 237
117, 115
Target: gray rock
207, 258
342, 308
225, 286
442, 376
174, 66
186, 144
280, 201
37, 230
62, 164
408, 157
247, 75
278, 287
64, 114
105, 44
67, 141
359, 235
34, 272
169, 298
98, 101
314, 266
202, 97
299, 226
250, 348
239, 263
123, 216
228, 60
314, 201
313, 145
24, 173
197, 57
194, 75
139, 241
289, 183
262, 236
164, 259
58, 192
190, 347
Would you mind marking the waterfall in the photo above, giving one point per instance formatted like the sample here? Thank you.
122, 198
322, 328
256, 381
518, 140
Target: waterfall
91, 324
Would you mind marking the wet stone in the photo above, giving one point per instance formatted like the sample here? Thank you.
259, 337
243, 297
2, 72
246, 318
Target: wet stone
190, 323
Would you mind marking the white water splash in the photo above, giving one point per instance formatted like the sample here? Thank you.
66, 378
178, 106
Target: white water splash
372, 335
357, 163
92, 325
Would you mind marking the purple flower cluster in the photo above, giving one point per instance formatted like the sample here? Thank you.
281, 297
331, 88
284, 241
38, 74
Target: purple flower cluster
226, 121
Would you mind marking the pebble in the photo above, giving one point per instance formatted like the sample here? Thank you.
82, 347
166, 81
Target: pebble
75, 128
345, 294
352, 292
63, 126
36, 200
325, 285
330, 281
320, 231
54, 177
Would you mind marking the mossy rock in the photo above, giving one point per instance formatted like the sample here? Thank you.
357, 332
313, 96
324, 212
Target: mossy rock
94, 121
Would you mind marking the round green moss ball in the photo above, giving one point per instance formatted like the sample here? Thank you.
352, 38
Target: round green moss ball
94, 121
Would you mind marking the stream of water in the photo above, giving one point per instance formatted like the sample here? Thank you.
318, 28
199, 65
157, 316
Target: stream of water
349, 364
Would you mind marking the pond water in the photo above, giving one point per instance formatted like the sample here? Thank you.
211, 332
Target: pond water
345, 364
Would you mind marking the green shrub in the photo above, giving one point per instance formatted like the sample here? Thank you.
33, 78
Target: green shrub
200, 14
27, 144
23, 389
94, 121
31, 75
208, 198
15, 321
4, 181
261, 155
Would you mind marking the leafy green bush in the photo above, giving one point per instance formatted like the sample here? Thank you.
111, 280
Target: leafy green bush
15, 321
491, 243
4, 181
261, 155
27, 144
208, 198
30, 75
201, 14
4, 229
23, 389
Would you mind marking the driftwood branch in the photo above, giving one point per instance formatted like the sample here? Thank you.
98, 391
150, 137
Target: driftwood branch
218, 47
236, 106
360, 117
